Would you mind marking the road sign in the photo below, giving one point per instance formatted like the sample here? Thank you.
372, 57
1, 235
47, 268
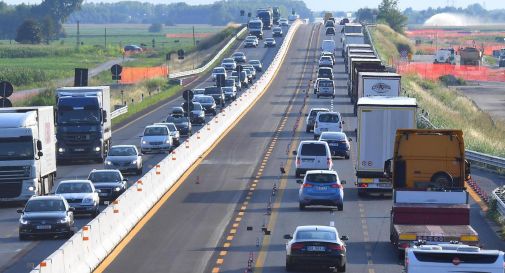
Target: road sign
5, 102
188, 95
220, 80
6, 89
81, 77
116, 70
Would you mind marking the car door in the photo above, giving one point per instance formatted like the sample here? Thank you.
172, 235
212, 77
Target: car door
313, 156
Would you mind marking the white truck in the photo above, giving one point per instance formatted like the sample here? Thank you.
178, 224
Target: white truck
27, 152
378, 119
83, 120
352, 38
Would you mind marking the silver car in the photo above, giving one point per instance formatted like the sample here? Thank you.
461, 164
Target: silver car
229, 64
81, 195
156, 138
174, 133
125, 158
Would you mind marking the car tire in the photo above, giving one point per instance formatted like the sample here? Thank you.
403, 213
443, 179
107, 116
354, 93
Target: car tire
301, 206
318, 96
297, 173
347, 157
341, 268
96, 212
340, 207
139, 171
69, 234
361, 193
289, 266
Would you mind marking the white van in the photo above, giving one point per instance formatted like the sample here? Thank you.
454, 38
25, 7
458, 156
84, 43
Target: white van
312, 155
452, 258
325, 88
329, 46
327, 122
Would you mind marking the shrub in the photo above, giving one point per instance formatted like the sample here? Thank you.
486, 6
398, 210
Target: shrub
155, 27
451, 80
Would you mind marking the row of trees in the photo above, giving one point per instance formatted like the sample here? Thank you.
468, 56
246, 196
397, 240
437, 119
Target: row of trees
219, 13
35, 23
387, 13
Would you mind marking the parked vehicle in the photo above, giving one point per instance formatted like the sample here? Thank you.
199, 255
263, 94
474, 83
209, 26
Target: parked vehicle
325, 88
312, 155
322, 188
125, 158
83, 122
110, 184
81, 195
470, 56
27, 152
257, 65
319, 246
133, 48
156, 138
338, 143
46, 215
327, 122
445, 55
229, 64
311, 116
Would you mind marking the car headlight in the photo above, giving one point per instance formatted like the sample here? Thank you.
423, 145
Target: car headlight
64, 220
144, 142
87, 200
97, 149
108, 162
117, 188
167, 141
23, 221
61, 150
134, 161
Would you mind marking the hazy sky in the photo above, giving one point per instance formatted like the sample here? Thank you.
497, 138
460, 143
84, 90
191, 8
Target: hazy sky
334, 4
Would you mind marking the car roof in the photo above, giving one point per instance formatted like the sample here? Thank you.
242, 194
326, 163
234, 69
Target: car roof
228, 59
250, 61
74, 181
47, 197
303, 142
106, 171
124, 146
320, 109
238, 53
321, 171
334, 134
315, 228
155, 126
325, 113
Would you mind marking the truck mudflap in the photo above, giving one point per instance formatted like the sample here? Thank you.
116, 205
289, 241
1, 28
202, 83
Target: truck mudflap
407, 235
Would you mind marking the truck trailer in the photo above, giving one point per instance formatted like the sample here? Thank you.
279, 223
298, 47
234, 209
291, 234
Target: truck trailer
27, 152
357, 65
83, 120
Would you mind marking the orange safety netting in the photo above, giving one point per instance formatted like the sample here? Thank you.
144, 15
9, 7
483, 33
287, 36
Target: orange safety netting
488, 48
467, 72
132, 75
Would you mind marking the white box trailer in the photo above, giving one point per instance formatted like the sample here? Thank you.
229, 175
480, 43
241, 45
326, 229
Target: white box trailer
27, 152
378, 119
379, 84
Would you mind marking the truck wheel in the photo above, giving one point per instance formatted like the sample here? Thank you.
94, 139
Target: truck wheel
341, 268
301, 206
441, 180
361, 192
340, 207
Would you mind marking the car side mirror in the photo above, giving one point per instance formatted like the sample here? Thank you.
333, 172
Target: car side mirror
350, 139
343, 122
299, 181
104, 115
20, 210
39, 145
72, 209
288, 237
98, 190
343, 182
125, 179
344, 238
39, 154
295, 152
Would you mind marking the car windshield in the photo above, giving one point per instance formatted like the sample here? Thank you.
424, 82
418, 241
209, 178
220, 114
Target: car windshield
229, 82
212, 90
321, 178
228, 61
197, 107
204, 99
177, 119
78, 111
172, 127
313, 149
333, 136
316, 235
122, 151
16, 148
103, 177
331, 118
219, 70
45, 205
254, 62
270, 40
238, 54
156, 131
326, 84
313, 113
74, 188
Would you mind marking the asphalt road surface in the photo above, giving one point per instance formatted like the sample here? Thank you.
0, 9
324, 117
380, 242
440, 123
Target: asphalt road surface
489, 97
17, 256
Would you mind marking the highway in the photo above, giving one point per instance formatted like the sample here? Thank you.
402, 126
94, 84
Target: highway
17, 256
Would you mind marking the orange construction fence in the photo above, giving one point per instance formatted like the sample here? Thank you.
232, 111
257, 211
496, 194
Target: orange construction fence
131, 75
467, 72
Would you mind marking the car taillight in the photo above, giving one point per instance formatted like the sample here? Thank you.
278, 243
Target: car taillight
307, 185
336, 186
328, 161
336, 247
403, 245
298, 161
297, 246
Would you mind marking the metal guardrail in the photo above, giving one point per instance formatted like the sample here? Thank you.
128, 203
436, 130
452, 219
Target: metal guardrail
499, 196
118, 112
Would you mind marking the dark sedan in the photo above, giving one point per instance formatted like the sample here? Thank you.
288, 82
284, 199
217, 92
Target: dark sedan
338, 142
110, 184
182, 123
208, 103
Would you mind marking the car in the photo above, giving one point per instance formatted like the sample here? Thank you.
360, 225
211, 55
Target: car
270, 42
218, 71
249, 74
208, 103
329, 23
125, 158
243, 78
178, 111
329, 54
323, 188
133, 48
277, 32
251, 68
338, 142
229, 93
217, 93
312, 155
231, 83
344, 21
311, 116
110, 184
197, 115
318, 246
46, 215
283, 22
156, 138
325, 72
257, 65
327, 122
251, 41
325, 61
316, 83
174, 132
229, 64
198, 91
239, 57
238, 84
81, 195
330, 31
325, 88
182, 123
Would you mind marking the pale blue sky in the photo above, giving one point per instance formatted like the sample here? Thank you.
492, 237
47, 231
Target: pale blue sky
335, 4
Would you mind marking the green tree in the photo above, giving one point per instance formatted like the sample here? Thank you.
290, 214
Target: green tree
155, 27
29, 33
366, 15
48, 28
391, 15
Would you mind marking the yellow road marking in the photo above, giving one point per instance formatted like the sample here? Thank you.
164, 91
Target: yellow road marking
476, 198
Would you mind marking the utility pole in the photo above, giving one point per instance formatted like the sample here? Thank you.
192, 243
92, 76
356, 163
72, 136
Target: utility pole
194, 45
78, 36
105, 36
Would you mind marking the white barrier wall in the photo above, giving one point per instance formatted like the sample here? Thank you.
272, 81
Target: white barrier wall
91, 245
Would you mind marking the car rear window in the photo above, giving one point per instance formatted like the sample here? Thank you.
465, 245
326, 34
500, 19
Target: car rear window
331, 118
101, 177
321, 178
313, 149
465, 258
316, 235
326, 84
156, 131
313, 113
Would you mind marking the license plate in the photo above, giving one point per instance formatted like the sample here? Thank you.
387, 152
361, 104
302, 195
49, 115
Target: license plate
44, 227
324, 129
384, 185
102, 194
322, 188
333, 144
367, 180
79, 150
316, 248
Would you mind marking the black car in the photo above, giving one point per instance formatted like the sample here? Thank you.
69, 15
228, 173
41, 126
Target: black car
338, 143
110, 184
182, 123
330, 31
217, 93
46, 215
208, 103
197, 115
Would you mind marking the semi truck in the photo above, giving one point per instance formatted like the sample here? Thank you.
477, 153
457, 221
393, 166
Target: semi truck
27, 152
470, 56
255, 27
357, 65
83, 120
377, 84
265, 15
352, 38
378, 119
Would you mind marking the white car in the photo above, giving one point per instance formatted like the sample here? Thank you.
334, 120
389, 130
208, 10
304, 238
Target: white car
326, 88
327, 122
312, 155
251, 41
156, 138
81, 195
283, 22
229, 64
125, 158
325, 61
174, 133
218, 71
